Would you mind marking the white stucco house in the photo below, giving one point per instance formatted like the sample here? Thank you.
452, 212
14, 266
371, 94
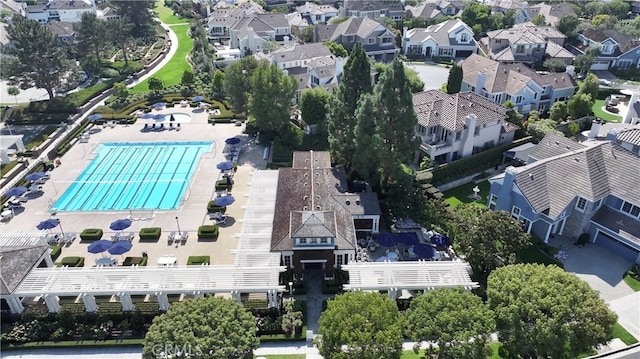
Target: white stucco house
451, 38
58, 10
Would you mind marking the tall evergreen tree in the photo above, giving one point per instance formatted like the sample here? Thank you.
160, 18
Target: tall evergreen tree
356, 80
395, 121
454, 82
120, 34
237, 82
367, 141
90, 38
272, 96
140, 15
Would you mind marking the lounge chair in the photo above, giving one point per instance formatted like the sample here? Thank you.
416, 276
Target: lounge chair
153, 127
171, 237
185, 236
146, 127
171, 125
178, 127
161, 128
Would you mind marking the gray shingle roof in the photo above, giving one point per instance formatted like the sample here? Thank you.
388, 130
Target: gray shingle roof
356, 26
439, 32
426, 10
590, 172
552, 12
296, 51
436, 108
625, 43
61, 28
16, 263
312, 186
373, 5
631, 136
553, 145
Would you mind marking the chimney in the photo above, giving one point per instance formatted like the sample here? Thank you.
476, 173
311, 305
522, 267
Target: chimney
468, 134
596, 125
480, 80
628, 118
286, 40
339, 67
503, 192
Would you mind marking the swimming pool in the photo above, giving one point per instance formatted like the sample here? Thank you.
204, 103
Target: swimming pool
138, 175
177, 116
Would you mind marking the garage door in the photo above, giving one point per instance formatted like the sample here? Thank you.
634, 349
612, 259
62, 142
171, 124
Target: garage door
463, 53
600, 65
621, 249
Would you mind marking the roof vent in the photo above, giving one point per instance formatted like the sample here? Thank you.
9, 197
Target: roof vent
318, 207
305, 198
347, 202
305, 208
358, 202
577, 159
317, 196
531, 176
557, 142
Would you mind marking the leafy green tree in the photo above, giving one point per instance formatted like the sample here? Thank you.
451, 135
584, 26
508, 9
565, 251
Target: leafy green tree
583, 62
476, 14
599, 20
139, 14
488, 239
313, 106
590, 86
209, 327
580, 105
304, 35
368, 325
188, 79
273, 92
217, 84
35, 56
572, 129
356, 80
545, 312
456, 320
336, 48
120, 35
155, 85
13, 91
558, 111
415, 83
454, 82
541, 128
237, 82
513, 116
555, 65
593, 8
120, 90
368, 142
291, 319
90, 35
395, 121
539, 20
617, 8
568, 25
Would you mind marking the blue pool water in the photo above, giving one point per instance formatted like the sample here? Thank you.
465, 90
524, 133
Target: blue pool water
138, 175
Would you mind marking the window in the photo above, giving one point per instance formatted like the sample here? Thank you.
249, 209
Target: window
520, 49
476, 132
581, 204
386, 40
287, 261
464, 37
445, 52
339, 260
313, 240
597, 204
302, 241
535, 96
515, 212
421, 130
323, 240
371, 40
492, 201
458, 135
631, 209
519, 99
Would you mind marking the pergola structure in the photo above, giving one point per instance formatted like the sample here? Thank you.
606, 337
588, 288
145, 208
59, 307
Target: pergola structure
22, 239
397, 276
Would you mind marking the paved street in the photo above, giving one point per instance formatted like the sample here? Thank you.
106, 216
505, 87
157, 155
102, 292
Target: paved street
433, 76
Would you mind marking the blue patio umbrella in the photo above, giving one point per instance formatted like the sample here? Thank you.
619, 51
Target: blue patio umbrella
121, 247
232, 141
146, 116
16, 191
386, 240
99, 246
94, 117
48, 224
120, 224
424, 251
35, 176
224, 201
197, 98
158, 117
225, 166
159, 105
440, 240
407, 238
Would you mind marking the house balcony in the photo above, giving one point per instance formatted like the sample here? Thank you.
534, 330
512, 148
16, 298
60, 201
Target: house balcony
436, 148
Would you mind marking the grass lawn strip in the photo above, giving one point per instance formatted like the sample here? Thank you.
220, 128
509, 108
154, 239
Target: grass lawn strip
165, 14
171, 73
622, 334
457, 196
598, 112
631, 282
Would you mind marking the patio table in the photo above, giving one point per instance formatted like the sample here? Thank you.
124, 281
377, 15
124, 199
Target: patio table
167, 260
105, 262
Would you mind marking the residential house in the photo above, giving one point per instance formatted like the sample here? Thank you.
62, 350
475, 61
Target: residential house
632, 116
58, 10
255, 33
108, 13
392, 9
527, 43
317, 220
295, 54
449, 39
600, 197
64, 30
377, 40
617, 50
527, 89
624, 134
297, 22
317, 14
434, 9
518, 7
635, 8
13, 6
459, 125
552, 12
222, 18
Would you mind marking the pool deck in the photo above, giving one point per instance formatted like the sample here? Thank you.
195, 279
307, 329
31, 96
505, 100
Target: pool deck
191, 213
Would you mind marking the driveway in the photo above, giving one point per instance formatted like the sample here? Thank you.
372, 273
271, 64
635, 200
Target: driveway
433, 76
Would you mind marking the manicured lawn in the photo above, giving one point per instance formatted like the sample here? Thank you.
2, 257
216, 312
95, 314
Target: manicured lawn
459, 195
598, 112
532, 254
284, 356
165, 14
171, 73
632, 283
622, 334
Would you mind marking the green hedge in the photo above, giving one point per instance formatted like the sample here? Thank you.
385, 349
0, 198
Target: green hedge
208, 232
329, 286
129, 261
198, 260
222, 185
56, 250
150, 233
212, 208
72, 261
64, 145
91, 234
472, 164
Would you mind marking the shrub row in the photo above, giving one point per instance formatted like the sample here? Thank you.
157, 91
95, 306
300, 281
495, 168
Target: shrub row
65, 144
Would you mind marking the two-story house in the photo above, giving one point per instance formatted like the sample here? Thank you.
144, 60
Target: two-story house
64, 30
108, 13
517, 7
527, 89
376, 39
579, 189
317, 218
317, 14
552, 12
222, 18
294, 54
392, 9
433, 9
459, 125
449, 39
253, 34
527, 43
58, 10
617, 50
